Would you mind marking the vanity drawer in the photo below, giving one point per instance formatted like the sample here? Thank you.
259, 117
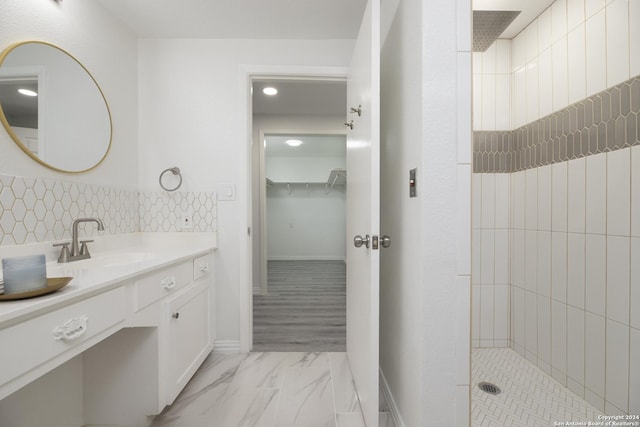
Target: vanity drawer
32, 343
156, 286
202, 266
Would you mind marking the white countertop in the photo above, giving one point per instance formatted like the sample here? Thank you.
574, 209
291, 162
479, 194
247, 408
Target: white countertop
115, 259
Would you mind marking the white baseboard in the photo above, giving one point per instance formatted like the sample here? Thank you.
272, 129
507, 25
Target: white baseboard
306, 258
393, 407
226, 346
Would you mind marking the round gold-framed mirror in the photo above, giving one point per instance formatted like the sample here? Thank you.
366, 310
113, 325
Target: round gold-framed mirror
53, 108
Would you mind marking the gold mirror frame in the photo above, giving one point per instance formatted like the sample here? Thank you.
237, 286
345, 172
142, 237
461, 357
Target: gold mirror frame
20, 143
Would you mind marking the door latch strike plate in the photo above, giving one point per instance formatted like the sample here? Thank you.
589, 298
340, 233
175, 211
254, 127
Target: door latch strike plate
374, 242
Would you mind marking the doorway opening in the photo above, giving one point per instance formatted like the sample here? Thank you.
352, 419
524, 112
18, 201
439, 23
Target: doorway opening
299, 215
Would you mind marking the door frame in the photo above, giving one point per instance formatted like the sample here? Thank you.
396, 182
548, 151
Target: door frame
263, 191
249, 73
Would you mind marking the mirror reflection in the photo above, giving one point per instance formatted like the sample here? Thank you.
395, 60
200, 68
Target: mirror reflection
52, 107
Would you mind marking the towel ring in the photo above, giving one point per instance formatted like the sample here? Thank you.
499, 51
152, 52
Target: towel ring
174, 170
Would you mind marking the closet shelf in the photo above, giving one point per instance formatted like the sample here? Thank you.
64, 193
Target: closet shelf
336, 177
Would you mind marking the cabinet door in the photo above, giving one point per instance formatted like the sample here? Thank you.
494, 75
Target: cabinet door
190, 339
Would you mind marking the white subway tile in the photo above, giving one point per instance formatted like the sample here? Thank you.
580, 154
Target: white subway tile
531, 199
489, 102
575, 13
596, 54
531, 323
476, 202
519, 98
518, 52
618, 275
488, 200
575, 386
502, 258
518, 314
476, 255
634, 372
544, 329
596, 194
558, 20
576, 195
477, 102
489, 60
487, 256
503, 102
575, 269
544, 30
559, 266
544, 198
463, 243
503, 64
635, 191
594, 400
559, 336
533, 92
617, 365
502, 192
634, 38
592, 7
544, 263
531, 37
475, 312
477, 62
501, 311
559, 196
617, 42
576, 64
610, 409
635, 284
517, 258
545, 82
595, 354
575, 344
531, 260
464, 96
619, 192
560, 70
463, 286
486, 312
596, 273
518, 196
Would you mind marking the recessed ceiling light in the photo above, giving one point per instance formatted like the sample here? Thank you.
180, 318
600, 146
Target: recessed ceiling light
294, 142
270, 91
27, 92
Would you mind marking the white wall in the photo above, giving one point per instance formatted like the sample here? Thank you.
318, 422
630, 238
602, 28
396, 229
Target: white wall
425, 274
108, 50
191, 116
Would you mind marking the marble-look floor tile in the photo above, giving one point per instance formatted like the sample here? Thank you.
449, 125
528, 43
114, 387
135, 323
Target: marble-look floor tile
350, 420
261, 370
306, 399
217, 369
308, 360
343, 387
245, 408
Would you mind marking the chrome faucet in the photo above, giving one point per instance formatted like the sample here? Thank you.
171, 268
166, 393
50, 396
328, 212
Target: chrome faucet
79, 250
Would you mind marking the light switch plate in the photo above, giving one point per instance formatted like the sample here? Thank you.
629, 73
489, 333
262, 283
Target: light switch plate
226, 192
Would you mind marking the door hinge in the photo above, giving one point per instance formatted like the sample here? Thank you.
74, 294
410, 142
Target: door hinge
248, 231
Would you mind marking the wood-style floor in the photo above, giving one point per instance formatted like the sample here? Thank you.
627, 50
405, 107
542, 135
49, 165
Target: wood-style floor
304, 309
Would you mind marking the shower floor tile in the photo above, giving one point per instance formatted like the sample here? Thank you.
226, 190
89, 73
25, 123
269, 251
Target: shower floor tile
529, 397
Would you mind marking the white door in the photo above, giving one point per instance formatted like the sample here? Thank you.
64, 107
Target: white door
363, 212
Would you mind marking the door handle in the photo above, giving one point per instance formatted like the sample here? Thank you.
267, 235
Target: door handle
385, 241
358, 241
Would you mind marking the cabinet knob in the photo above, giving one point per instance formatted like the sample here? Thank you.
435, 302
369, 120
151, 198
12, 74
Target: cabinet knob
175, 315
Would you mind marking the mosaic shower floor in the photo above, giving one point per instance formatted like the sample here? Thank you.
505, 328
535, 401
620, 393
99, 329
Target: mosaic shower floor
529, 397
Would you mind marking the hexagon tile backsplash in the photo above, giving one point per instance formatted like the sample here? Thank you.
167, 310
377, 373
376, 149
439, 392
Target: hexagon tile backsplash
40, 210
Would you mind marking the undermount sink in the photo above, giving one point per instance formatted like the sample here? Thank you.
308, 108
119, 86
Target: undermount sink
106, 260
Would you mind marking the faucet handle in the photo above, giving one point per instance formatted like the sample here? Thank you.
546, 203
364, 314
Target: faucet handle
84, 249
64, 253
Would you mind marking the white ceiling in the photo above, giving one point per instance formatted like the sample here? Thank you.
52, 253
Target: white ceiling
268, 19
301, 97
312, 146
529, 10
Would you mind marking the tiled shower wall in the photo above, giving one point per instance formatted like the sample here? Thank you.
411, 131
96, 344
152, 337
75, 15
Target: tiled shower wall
41, 210
571, 155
